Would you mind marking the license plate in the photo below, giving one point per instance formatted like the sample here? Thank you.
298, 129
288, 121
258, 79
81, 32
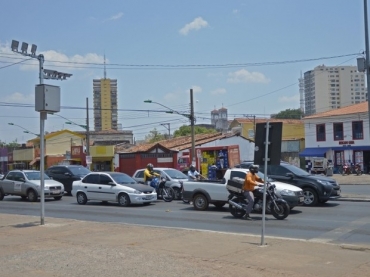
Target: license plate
148, 198
301, 199
55, 192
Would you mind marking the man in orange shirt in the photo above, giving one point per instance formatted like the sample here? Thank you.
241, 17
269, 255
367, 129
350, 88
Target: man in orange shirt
250, 182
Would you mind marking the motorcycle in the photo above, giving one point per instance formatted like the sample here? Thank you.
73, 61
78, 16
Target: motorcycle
278, 207
163, 191
346, 169
358, 169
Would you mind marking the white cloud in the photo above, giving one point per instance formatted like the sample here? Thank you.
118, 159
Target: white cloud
244, 76
289, 99
115, 17
18, 97
235, 11
196, 24
218, 91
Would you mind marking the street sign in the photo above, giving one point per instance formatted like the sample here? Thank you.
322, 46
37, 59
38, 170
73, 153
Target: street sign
88, 159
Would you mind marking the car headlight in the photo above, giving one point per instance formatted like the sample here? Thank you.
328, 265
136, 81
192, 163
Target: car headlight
325, 183
137, 192
287, 192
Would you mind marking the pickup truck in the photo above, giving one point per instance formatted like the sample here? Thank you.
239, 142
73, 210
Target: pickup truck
26, 184
205, 192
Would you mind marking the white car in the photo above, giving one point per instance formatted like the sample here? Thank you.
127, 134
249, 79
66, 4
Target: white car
113, 187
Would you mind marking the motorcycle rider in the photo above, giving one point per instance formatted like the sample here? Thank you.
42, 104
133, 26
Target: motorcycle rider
250, 182
149, 174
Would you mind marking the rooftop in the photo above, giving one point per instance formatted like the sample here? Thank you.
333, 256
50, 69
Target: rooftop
352, 109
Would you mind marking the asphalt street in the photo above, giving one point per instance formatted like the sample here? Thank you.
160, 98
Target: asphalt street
336, 222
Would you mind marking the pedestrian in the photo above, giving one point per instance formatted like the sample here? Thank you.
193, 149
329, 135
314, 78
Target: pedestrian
250, 182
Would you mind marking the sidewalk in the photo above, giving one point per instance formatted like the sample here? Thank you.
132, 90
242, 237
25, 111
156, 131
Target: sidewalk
64, 247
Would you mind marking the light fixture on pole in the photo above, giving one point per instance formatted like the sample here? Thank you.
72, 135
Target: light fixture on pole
189, 116
47, 99
25, 130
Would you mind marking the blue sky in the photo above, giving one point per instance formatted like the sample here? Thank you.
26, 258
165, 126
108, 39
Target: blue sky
150, 45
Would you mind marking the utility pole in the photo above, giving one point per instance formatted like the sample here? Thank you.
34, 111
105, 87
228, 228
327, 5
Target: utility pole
192, 119
87, 130
367, 60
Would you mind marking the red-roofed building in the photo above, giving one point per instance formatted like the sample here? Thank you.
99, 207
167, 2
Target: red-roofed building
340, 135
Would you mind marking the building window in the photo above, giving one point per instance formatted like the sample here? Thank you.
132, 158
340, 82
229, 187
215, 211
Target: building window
338, 131
357, 130
320, 132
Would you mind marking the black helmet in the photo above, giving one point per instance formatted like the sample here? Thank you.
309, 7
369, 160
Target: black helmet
192, 168
149, 166
253, 168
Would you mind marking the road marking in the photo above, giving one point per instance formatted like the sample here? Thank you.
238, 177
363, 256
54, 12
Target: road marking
337, 233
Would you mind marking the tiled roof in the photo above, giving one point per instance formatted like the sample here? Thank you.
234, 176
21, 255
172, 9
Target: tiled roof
176, 144
262, 120
352, 109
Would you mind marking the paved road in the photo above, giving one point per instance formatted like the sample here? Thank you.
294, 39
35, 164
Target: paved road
338, 222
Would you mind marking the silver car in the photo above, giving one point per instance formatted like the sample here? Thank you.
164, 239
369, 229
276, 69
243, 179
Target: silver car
26, 184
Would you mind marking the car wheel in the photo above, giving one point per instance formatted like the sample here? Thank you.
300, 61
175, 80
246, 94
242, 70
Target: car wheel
1, 195
32, 195
200, 202
58, 197
124, 200
310, 197
177, 193
81, 198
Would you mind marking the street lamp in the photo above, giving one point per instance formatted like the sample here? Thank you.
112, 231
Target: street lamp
47, 99
189, 116
25, 130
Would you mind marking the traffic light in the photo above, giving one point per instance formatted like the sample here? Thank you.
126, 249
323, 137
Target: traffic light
274, 146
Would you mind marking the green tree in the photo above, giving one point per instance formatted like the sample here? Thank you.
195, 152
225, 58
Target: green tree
186, 131
154, 136
289, 114
13, 144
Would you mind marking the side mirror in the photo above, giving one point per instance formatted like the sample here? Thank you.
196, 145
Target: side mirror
290, 175
67, 174
111, 184
22, 179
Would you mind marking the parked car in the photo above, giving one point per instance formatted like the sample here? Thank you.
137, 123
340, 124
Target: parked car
316, 188
113, 187
67, 174
174, 178
205, 192
26, 184
244, 164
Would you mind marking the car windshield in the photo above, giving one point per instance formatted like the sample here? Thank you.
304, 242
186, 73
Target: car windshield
79, 171
175, 174
121, 178
35, 176
296, 170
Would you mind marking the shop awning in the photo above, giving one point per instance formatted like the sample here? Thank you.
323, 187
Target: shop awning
34, 160
314, 152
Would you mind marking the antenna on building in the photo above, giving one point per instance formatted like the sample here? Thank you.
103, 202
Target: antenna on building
105, 71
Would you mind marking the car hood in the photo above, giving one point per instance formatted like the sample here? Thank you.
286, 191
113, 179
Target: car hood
281, 186
47, 183
139, 187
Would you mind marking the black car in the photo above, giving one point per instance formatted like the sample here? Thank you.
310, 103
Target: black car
67, 174
316, 188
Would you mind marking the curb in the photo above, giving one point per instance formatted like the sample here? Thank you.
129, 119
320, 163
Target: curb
348, 199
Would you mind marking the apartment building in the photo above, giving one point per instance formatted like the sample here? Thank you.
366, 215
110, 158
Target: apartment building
332, 87
105, 104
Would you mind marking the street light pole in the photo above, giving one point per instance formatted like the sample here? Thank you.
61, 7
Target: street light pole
43, 74
87, 129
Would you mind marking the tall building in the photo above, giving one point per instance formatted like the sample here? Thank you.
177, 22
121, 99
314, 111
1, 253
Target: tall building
105, 103
332, 87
